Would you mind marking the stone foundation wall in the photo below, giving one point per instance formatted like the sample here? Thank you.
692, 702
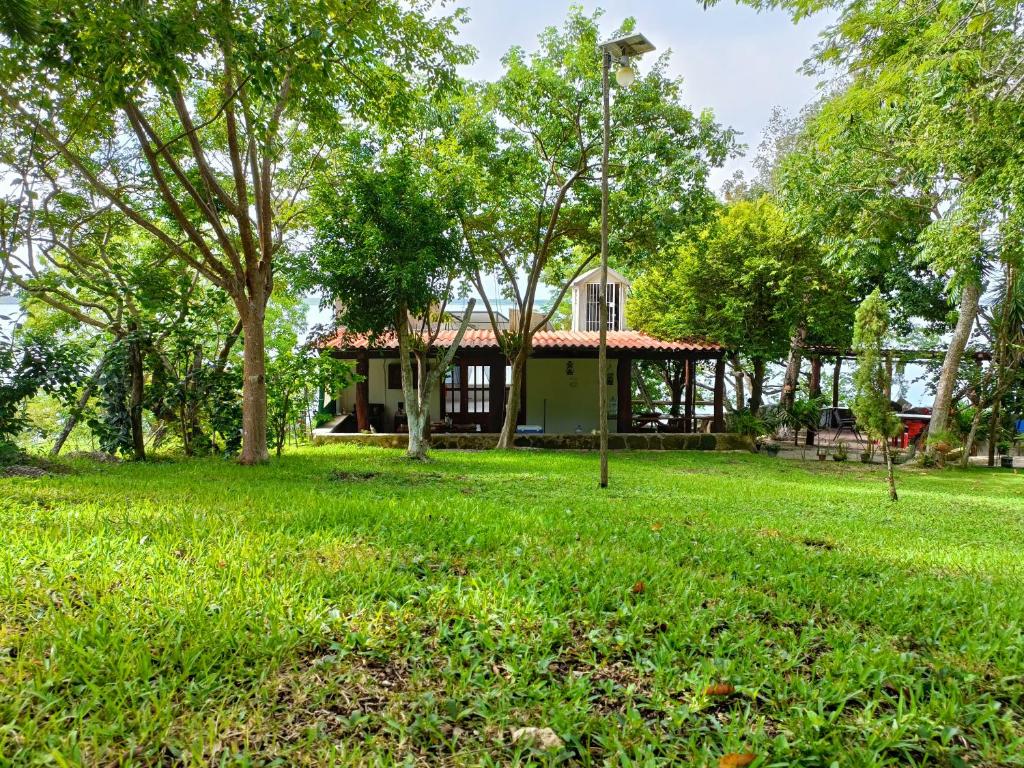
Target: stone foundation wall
478, 441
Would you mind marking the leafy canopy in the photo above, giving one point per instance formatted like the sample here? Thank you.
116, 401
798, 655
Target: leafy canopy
746, 281
387, 239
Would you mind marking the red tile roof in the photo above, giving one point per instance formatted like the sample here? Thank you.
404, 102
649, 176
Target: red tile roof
568, 341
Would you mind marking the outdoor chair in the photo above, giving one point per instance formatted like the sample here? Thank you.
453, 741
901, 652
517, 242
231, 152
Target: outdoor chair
845, 419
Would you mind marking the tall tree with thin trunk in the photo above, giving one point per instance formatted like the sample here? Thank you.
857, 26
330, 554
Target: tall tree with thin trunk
871, 404
214, 114
389, 256
535, 136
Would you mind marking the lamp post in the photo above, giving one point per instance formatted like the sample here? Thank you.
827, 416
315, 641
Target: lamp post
619, 51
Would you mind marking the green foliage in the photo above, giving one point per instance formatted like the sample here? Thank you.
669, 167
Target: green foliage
743, 422
387, 238
871, 404
535, 137
30, 363
282, 595
804, 413
746, 281
295, 380
112, 425
202, 121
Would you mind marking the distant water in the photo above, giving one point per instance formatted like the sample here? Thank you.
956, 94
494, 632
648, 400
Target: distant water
8, 310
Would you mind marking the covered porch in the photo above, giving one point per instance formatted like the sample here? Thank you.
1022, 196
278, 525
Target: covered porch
559, 393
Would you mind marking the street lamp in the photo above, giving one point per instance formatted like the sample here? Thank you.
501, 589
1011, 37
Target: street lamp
620, 51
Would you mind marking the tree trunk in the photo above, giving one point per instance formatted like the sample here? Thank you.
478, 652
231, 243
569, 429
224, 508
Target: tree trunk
741, 396
791, 380
419, 435
363, 393
137, 380
76, 412
508, 428
676, 388
965, 460
993, 433
890, 477
757, 385
254, 386
814, 391
951, 363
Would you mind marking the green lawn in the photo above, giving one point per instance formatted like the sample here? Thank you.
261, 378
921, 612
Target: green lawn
346, 606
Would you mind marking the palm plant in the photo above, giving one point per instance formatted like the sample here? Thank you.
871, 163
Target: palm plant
18, 19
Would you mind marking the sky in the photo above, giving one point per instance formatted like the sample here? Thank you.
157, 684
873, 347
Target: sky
735, 61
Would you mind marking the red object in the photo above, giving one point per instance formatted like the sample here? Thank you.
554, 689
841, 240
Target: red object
913, 430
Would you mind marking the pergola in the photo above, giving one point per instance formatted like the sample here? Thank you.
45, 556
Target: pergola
815, 353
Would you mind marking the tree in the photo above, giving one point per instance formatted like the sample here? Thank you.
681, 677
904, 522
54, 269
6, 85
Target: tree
294, 380
30, 363
871, 405
18, 19
389, 252
933, 91
534, 136
202, 121
747, 281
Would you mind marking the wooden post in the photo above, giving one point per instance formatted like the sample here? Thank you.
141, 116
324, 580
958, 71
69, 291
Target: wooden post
689, 389
815, 389
624, 381
718, 424
363, 393
497, 395
835, 381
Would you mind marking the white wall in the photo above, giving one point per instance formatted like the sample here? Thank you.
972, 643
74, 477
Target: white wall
379, 393
568, 401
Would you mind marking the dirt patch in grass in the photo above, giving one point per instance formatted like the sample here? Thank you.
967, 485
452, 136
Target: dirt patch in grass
97, 456
353, 477
333, 696
22, 470
824, 544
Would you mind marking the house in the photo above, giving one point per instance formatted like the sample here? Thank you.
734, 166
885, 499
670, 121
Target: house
560, 388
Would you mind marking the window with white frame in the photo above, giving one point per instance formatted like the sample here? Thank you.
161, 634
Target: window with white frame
593, 320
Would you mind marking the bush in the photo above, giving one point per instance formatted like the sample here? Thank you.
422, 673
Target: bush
743, 422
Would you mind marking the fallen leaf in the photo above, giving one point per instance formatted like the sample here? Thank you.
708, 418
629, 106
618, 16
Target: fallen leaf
542, 738
638, 588
737, 760
657, 526
720, 689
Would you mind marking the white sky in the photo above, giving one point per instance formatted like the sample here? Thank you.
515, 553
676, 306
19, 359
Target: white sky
734, 60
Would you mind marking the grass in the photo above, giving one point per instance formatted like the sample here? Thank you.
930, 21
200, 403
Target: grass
343, 606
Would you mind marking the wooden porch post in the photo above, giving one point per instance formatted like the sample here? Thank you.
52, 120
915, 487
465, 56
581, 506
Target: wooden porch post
689, 390
497, 395
624, 380
363, 393
815, 389
718, 424
835, 381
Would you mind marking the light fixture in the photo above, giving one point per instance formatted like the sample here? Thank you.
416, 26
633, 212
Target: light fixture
625, 74
620, 51
631, 45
